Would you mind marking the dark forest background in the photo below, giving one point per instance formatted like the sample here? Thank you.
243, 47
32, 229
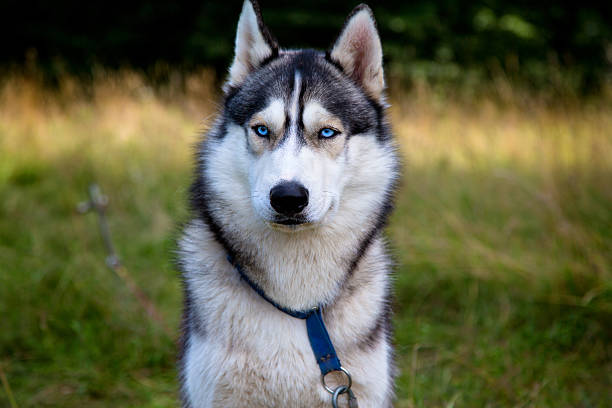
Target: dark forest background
540, 44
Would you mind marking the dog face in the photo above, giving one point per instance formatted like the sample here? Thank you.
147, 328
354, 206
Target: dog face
303, 116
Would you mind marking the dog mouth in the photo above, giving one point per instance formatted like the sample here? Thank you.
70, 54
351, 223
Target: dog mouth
290, 224
290, 221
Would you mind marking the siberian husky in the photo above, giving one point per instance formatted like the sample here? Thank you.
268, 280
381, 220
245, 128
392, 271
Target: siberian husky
294, 184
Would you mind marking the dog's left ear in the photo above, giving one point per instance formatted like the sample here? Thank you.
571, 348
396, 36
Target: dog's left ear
359, 52
254, 44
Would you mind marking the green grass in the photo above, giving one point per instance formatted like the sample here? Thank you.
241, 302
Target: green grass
502, 234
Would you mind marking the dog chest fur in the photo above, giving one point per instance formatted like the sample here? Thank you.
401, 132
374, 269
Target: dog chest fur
245, 353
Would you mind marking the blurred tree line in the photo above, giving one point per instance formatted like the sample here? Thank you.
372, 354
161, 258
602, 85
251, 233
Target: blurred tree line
540, 44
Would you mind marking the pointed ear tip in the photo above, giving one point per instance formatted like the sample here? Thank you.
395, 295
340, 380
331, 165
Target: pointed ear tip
359, 14
363, 7
252, 7
248, 5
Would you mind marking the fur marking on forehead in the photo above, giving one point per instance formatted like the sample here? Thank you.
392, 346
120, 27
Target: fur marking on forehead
315, 115
273, 115
294, 107
293, 114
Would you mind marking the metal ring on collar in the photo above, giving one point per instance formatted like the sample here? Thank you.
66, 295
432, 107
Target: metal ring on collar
340, 390
348, 386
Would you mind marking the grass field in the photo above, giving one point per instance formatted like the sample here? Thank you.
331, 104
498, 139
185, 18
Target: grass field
502, 235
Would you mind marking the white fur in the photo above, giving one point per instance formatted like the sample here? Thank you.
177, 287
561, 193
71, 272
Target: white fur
274, 114
313, 111
295, 102
253, 355
319, 174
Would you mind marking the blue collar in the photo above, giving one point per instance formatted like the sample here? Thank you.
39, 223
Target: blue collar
321, 344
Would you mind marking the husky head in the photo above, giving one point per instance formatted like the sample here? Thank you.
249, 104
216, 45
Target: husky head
304, 126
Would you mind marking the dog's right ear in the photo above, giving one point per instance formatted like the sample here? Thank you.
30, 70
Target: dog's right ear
254, 45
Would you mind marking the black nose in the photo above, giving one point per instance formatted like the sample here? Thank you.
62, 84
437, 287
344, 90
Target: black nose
289, 198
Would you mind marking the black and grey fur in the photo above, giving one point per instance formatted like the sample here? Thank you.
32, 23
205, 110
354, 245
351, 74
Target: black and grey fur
302, 212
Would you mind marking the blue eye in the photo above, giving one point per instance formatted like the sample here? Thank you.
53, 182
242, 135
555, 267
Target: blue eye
261, 130
326, 133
